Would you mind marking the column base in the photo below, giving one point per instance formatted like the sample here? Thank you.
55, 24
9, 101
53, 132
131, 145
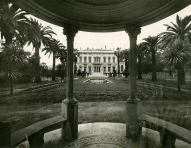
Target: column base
36, 140
167, 139
5, 134
70, 112
133, 130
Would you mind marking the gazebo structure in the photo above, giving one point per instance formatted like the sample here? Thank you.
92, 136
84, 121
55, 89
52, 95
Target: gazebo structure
101, 16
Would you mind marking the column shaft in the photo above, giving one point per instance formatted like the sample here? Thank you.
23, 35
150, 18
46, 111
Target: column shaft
70, 75
70, 105
132, 127
132, 68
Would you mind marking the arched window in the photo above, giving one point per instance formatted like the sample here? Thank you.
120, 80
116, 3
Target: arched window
113, 59
80, 59
109, 59
90, 59
85, 59
104, 59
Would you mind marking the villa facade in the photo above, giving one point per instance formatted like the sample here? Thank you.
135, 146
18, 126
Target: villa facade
98, 61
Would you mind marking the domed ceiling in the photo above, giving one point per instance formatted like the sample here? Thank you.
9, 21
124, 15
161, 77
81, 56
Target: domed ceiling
102, 15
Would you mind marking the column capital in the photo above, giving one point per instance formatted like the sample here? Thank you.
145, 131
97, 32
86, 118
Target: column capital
70, 30
133, 30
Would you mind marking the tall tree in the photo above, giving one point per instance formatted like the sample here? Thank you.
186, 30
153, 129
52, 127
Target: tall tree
141, 50
178, 32
38, 36
13, 56
124, 54
175, 57
52, 47
152, 47
13, 23
62, 56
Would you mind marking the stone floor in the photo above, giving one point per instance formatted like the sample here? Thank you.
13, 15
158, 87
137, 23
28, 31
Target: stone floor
104, 135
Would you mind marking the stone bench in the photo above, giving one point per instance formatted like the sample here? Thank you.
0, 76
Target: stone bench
169, 132
34, 133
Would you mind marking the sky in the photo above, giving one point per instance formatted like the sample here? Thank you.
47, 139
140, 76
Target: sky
110, 40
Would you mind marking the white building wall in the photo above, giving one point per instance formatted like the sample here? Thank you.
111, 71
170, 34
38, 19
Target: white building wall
96, 65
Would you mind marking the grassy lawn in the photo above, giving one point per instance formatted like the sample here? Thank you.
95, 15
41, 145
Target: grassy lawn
170, 82
88, 92
97, 102
5, 89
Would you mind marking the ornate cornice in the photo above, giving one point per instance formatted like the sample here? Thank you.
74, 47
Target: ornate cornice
100, 17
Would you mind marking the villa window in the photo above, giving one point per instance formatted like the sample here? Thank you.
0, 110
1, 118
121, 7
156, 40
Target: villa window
97, 59
113, 59
80, 59
104, 69
113, 68
85, 59
90, 60
109, 59
109, 69
104, 59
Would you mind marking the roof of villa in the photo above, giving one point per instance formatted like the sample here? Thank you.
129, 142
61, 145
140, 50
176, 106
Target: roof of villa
96, 51
102, 15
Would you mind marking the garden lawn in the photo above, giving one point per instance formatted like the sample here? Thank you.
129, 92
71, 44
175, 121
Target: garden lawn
88, 92
97, 103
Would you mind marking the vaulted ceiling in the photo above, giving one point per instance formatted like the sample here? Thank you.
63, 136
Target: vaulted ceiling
102, 15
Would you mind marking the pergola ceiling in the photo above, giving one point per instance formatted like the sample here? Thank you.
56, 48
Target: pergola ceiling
102, 15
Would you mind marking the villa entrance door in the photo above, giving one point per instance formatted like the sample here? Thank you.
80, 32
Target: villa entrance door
97, 69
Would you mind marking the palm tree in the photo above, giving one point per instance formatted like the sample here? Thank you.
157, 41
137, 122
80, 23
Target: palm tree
13, 23
124, 54
53, 47
141, 49
76, 55
62, 56
175, 57
13, 56
38, 35
152, 47
179, 32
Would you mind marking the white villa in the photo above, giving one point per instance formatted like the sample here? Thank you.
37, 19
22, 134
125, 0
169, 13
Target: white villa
98, 61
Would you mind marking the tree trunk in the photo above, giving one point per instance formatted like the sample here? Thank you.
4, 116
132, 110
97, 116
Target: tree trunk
170, 72
139, 68
53, 67
8, 42
11, 85
182, 76
37, 66
178, 79
154, 74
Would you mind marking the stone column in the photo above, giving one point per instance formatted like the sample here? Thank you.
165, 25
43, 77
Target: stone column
5, 134
132, 128
70, 105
